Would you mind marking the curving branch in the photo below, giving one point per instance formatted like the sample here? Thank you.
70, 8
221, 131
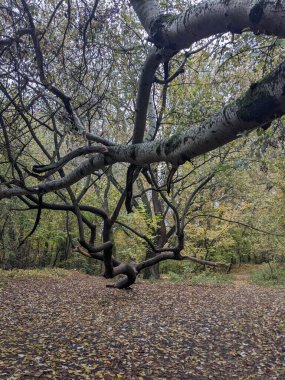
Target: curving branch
192, 197
261, 104
246, 225
37, 222
208, 18
147, 12
98, 139
172, 256
53, 167
154, 59
65, 99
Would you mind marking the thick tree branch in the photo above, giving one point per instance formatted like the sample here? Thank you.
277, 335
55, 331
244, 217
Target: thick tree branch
147, 12
262, 103
171, 256
147, 78
208, 18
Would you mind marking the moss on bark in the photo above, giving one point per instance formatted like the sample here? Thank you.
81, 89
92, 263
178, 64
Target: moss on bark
259, 107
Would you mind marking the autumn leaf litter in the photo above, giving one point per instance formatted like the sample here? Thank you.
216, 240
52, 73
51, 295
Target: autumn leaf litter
75, 328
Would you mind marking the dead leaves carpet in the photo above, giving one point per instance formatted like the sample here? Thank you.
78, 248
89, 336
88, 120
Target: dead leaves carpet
75, 328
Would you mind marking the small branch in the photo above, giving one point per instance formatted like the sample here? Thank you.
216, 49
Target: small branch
181, 69
98, 139
97, 249
53, 167
145, 238
154, 260
234, 222
37, 221
193, 195
83, 252
204, 262
171, 78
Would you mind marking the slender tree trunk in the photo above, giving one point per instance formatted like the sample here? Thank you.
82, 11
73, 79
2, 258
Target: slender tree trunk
159, 240
151, 272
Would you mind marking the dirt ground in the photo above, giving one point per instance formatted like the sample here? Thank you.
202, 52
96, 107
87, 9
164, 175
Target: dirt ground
75, 328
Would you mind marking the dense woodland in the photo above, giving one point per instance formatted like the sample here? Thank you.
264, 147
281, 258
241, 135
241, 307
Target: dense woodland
98, 101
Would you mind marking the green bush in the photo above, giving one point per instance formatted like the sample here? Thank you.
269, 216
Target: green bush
207, 277
271, 274
175, 277
81, 263
23, 274
171, 266
210, 278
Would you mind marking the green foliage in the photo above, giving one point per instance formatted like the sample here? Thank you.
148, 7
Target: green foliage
239, 191
170, 266
269, 275
81, 263
23, 274
194, 274
206, 277
210, 278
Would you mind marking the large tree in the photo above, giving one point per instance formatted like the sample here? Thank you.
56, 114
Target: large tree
84, 91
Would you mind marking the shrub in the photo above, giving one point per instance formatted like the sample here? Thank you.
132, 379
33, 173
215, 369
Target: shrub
207, 277
272, 274
81, 263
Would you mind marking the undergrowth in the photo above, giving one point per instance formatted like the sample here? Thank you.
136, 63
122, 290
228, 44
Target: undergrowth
202, 278
270, 275
22, 274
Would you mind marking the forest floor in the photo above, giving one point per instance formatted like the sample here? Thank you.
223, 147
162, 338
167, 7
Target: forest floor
73, 327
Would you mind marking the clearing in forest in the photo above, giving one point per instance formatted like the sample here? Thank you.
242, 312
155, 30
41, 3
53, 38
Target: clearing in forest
74, 327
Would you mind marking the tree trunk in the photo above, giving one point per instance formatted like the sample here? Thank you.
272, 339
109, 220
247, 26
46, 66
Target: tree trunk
159, 240
151, 272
